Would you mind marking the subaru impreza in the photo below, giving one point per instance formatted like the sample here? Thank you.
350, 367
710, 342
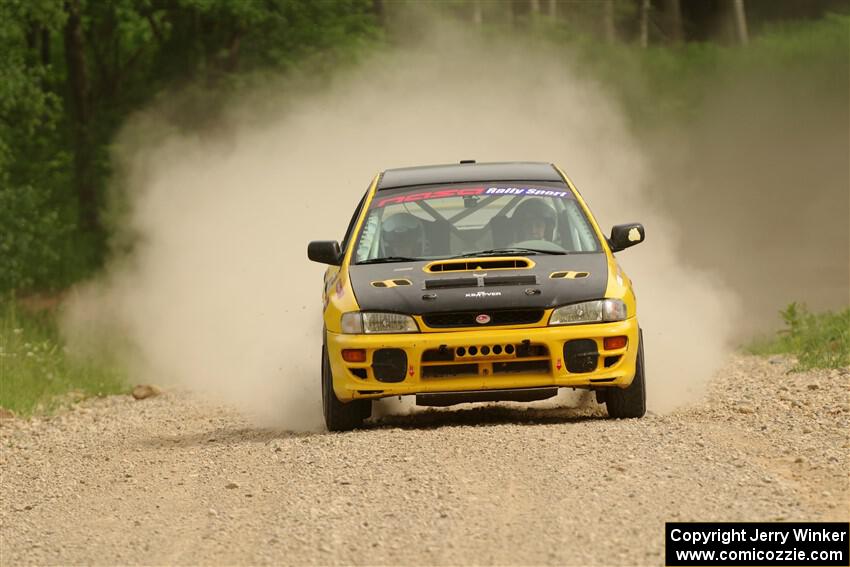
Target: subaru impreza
477, 282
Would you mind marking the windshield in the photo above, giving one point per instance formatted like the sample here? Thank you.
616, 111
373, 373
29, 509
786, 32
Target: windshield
471, 219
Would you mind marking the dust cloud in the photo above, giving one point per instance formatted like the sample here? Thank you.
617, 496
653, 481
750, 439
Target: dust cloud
217, 295
760, 187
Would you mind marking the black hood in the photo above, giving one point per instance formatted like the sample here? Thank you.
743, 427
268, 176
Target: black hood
452, 291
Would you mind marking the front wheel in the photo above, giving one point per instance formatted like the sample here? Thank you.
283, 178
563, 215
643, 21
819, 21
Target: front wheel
631, 401
340, 416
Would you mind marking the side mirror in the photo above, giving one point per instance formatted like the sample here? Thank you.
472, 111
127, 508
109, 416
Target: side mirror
626, 235
324, 252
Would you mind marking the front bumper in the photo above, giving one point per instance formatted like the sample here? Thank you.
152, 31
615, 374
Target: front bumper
442, 362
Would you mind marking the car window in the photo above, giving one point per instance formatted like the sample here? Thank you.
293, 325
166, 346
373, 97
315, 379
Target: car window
354, 217
446, 221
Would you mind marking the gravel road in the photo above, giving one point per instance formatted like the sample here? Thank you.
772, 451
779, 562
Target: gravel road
172, 480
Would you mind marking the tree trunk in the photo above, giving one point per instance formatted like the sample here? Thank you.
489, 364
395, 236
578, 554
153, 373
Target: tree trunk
741, 22
45, 46
380, 12
534, 7
78, 89
38, 41
674, 10
608, 22
477, 13
644, 23
553, 9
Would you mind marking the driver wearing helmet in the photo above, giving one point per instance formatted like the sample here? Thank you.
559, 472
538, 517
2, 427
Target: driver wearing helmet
401, 235
534, 219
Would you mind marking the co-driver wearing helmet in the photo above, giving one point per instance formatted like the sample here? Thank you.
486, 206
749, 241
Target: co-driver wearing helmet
534, 219
402, 235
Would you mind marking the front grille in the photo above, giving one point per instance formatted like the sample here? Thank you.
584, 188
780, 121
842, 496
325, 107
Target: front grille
467, 318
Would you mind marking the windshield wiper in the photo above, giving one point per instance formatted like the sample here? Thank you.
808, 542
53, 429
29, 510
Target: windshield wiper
499, 251
388, 259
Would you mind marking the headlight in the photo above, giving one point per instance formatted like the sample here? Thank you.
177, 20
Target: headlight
358, 323
597, 311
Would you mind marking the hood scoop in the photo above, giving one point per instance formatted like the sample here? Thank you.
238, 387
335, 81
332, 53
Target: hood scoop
472, 264
480, 281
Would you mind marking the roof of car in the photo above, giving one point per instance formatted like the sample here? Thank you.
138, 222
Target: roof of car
468, 172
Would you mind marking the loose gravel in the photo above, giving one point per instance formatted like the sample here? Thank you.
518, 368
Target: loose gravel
173, 480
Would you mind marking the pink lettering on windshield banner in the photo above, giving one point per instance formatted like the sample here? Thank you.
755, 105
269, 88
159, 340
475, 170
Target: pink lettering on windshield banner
423, 195
471, 191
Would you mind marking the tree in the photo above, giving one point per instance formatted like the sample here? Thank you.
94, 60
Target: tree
645, 7
610, 30
80, 113
477, 13
32, 231
674, 18
71, 72
741, 22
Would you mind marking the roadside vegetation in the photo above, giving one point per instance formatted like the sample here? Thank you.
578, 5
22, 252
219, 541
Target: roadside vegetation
38, 374
817, 340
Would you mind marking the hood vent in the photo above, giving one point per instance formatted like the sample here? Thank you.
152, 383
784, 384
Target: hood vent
444, 283
391, 283
469, 265
568, 275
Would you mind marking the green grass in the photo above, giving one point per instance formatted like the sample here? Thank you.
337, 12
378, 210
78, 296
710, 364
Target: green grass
36, 373
818, 340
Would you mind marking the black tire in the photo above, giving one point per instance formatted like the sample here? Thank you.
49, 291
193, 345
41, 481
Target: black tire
340, 416
629, 402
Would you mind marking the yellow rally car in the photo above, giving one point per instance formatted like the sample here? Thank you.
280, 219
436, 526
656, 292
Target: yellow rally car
477, 282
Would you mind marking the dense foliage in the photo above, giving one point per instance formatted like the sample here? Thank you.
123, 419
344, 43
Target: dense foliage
72, 72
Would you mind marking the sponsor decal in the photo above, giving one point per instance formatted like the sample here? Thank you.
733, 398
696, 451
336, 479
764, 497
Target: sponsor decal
482, 319
634, 235
484, 294
531, 191
423, 195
